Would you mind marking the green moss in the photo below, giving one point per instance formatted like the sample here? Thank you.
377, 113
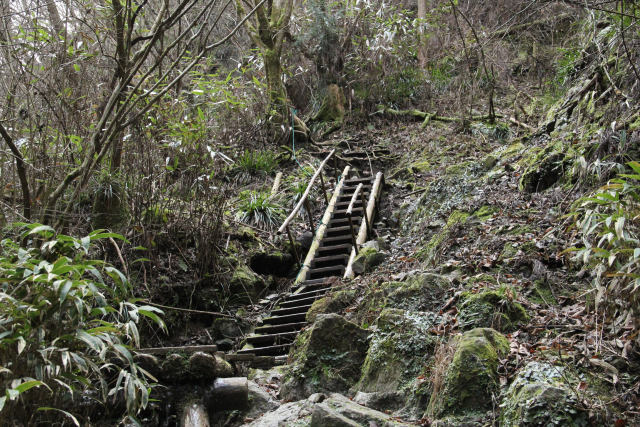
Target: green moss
492, 308
335, 302
540, 396
541, 293
471, 378
460, 168
483, 278
428, 253
543, 167
400, 347
245, 284
485, 212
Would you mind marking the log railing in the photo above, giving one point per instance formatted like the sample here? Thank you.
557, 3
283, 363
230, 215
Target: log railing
304, 201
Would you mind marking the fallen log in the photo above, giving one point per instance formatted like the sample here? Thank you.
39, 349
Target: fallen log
194, 415
230, 393
427, 117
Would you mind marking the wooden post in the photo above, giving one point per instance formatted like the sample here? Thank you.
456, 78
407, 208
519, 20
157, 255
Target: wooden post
352, 203
365, 217
335, 168
324, 190
293, 245
307, 207
276, 183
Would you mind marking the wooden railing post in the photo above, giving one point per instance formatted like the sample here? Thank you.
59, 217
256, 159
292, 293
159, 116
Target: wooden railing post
365, 217
307, 207
293, 245
354, 198
324, 190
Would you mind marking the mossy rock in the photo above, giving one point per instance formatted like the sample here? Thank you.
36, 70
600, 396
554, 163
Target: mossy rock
335, 302
325, 358
246, 285
485, 212
472, 376
540, 396
277, 263
545, 168
429, 252
419, 292
491, 308
367, 259
400, 347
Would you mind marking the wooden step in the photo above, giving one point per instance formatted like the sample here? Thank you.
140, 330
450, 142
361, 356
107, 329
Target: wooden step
343, 213
291, 310
346, 203
334, 250
273, 350
287, 318
272, 339
336, 240
338, 231
315, 273
344, 222
328, 261
300, 301
356, 181
307, 293
346, 197
275, 329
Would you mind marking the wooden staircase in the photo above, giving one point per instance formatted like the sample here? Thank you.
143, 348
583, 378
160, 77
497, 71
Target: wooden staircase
332, 252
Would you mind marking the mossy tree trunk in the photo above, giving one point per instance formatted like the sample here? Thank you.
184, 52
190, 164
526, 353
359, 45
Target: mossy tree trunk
267, 28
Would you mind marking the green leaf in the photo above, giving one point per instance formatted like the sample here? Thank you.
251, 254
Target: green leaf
41, 229
3, 400
69, 415
64, 290
27, 385
620, 227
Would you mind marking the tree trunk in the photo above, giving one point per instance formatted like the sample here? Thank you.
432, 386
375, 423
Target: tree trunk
422, 48
278, 110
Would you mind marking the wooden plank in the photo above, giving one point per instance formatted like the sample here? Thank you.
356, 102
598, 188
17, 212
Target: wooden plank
362, 234
305, 194
320, 231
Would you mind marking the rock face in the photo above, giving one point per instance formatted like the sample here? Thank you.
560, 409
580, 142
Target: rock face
245, 285
367, 259
335, 302
337, 410
326, 357
471, 378
540, 396
276, 263
493, 308
400, 347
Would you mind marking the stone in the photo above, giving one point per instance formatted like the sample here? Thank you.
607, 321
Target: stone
335, 302
223, 368
246, 285
229, 328
323, 416
290, 414
202, 366
276, 263
175, 368
326, 357
420, 292
380, 401
494, 308
367, 259
471, 377
400, 347
340, 408
259, 401
540, 396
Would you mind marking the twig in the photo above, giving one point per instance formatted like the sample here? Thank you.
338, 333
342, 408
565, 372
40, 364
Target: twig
189, 310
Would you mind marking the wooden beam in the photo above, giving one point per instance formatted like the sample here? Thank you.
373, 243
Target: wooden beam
183, 349
305, 194
322, 227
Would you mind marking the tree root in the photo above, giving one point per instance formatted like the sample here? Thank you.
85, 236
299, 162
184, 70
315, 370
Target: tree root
428, 117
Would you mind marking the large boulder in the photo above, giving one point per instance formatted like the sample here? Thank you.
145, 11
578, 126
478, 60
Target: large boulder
337, 410
326, 357
335, 302
400, 348
494, 308
367, 259
471, 378
540, 396
246, 285
276, 263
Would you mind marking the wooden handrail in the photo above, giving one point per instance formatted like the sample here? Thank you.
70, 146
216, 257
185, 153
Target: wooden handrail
301, 202
354, 199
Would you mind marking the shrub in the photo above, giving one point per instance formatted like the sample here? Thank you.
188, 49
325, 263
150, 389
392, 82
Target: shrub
608, 229
67, 326
257, 208
254, 163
